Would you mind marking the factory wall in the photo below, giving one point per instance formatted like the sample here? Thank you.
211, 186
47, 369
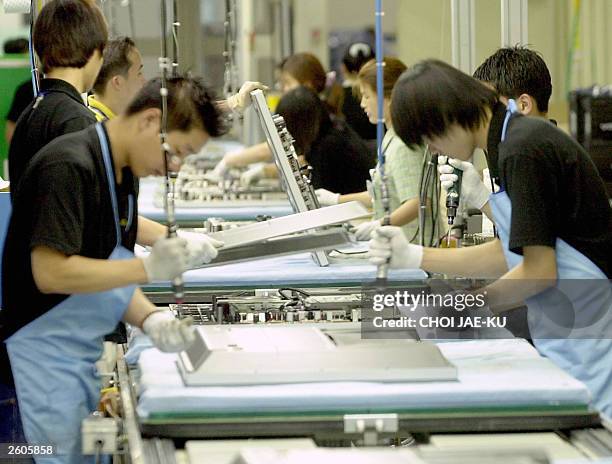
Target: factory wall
424, 30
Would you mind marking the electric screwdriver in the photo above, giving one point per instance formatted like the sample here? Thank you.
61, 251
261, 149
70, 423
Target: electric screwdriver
452, 202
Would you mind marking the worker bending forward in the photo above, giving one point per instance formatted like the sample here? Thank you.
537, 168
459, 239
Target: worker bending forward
69, 272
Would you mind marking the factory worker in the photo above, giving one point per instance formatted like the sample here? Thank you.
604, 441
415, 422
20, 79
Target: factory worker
70, 38
516, 73
69, 272
552, 216
339, 158
356, 56
299, 69
403, 165
119, 79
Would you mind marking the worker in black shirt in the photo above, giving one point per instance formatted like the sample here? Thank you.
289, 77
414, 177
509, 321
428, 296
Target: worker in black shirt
70, 36
120, 78
552, 215
69, 273
71, 66
357, 54
339, 158
71, 57
517, 73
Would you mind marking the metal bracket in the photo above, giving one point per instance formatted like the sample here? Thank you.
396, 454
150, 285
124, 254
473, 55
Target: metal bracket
370, 425
299, 190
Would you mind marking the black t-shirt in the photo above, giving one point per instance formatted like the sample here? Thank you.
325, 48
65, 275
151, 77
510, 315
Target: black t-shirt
63, 203
355, 116
22, 98
554, 187
58, 111
340, 160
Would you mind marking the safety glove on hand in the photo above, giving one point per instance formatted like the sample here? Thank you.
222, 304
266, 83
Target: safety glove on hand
252, 174
201, 249
364, 230
241, 100
474, 193
168, 259
168, 333
389, 244
326, 197
218, 173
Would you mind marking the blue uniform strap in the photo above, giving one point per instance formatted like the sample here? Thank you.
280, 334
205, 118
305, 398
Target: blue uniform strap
512, 108
110, 175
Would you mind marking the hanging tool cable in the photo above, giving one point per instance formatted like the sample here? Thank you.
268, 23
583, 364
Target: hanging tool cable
230, 84
33, 65
164, 64
175, 35
381, 274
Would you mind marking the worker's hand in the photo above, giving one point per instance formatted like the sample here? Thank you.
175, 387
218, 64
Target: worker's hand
168, 333
389, 242
241, 100
218, 173
473, 190
364, 230
201, 248
168, 259
327, 198
252, 174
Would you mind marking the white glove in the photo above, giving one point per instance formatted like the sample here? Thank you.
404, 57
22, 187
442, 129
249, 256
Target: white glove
241, 100
473, 190
252, 174
201, 248
390, 242
327, 198
218, 173
364, 230
168, 333
168, 259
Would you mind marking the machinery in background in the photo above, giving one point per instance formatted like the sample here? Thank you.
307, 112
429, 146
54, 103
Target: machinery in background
278, 306
197, 188
591, 126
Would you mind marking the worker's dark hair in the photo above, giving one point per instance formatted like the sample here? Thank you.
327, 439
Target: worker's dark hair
190, 104
115, 62
14, 46
393, 69
356, 55
514, 71
68, 32
432, 95
306, 117
306, 69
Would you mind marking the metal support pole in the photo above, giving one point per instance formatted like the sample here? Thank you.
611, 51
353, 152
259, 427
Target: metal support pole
463, 34
286, 28
514, 22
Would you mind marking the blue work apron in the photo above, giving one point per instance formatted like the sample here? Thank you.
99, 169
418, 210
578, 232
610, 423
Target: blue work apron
578, 340
53, 357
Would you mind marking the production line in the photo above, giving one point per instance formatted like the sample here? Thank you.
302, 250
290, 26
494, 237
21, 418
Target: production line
199, 198
509, 389
256, 376
314, 301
